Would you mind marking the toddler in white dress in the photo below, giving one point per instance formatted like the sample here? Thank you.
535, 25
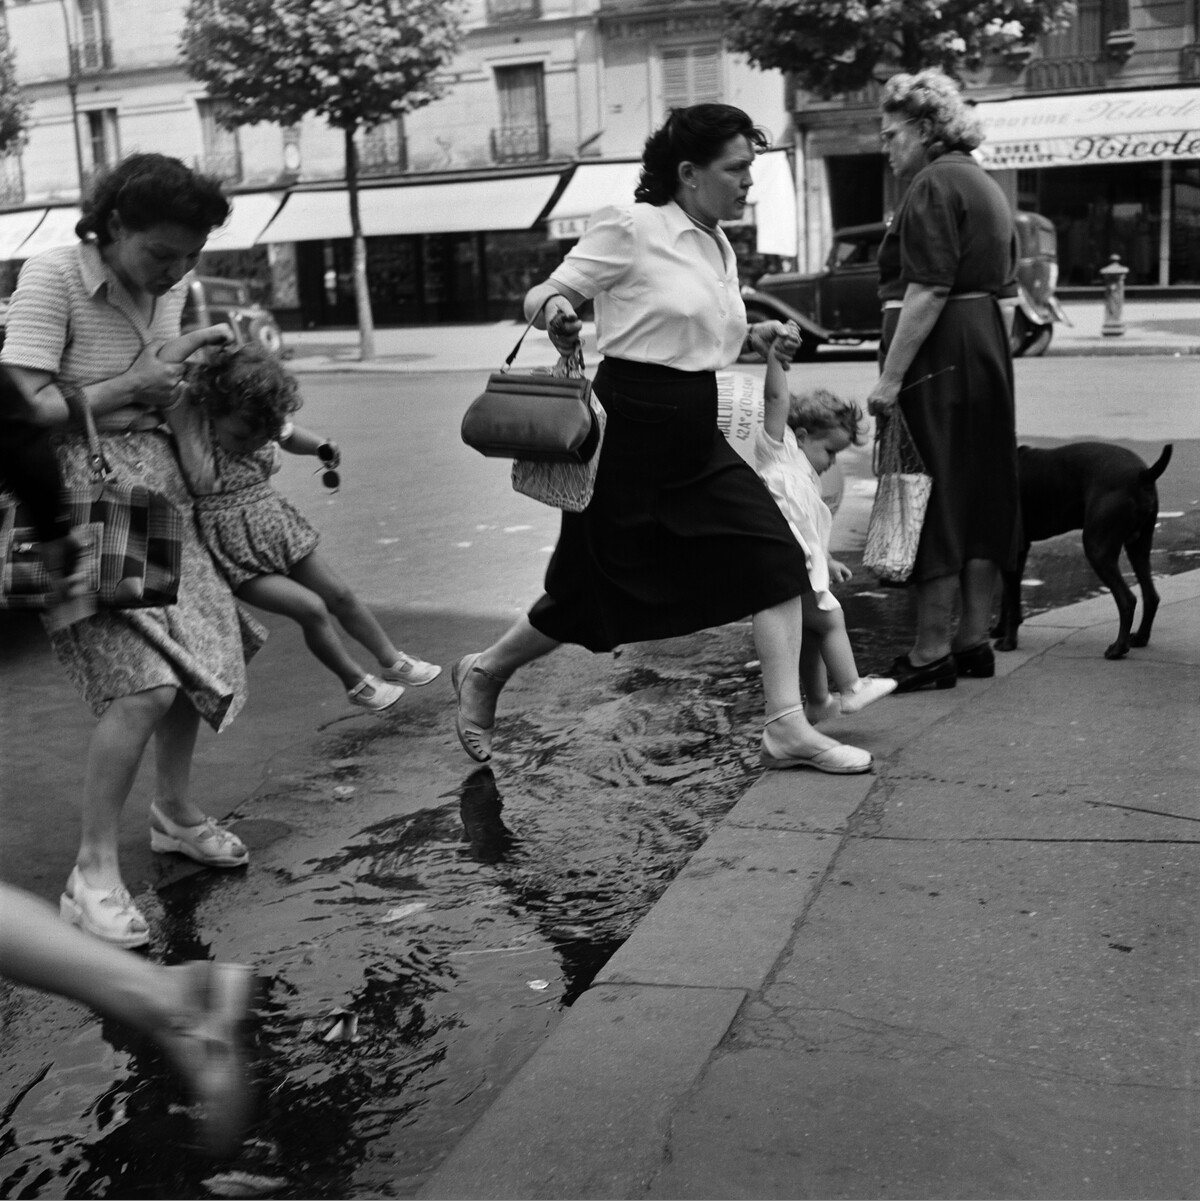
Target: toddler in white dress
800, 439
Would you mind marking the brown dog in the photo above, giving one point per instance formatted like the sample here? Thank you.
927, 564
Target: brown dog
1109, 493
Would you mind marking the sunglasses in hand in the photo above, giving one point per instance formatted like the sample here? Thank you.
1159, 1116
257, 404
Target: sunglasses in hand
330, 457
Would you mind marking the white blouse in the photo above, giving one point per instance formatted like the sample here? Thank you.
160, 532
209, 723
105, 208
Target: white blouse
664, 291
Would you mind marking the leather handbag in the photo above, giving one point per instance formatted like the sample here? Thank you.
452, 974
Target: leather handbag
533, 415
131, 535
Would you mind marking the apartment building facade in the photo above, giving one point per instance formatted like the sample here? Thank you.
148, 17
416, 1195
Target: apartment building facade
466, 202
1097, 128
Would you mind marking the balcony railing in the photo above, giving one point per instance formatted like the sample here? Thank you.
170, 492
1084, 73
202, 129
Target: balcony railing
1189, 61
499, 11
93, 55
520, 143
227, 166
1066, 74
382, 158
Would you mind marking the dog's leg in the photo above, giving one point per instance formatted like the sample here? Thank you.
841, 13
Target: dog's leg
1138, 550
1005, 630
1103, 552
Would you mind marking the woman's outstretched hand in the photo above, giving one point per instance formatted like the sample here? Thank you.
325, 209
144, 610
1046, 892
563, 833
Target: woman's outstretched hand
780, 338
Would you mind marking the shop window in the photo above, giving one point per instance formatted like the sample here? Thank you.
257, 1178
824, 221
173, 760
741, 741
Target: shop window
103, 146
222, 155
1185, 223
690, 74
855, 188
523, 135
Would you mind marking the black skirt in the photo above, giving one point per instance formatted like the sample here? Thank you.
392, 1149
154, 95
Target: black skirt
681, 533
964, 424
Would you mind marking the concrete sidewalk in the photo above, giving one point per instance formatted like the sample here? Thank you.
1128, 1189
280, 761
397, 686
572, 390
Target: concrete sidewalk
971, 974
1162, 327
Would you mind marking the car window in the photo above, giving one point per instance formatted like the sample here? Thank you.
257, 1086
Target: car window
853, 252
223, 295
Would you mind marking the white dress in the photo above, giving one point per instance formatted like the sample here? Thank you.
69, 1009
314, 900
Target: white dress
796, 488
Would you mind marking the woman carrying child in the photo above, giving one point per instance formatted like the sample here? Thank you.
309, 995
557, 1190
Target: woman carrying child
800, 440
230, 427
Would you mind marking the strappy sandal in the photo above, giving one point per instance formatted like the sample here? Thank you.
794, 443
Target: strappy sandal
476, 739
839, 760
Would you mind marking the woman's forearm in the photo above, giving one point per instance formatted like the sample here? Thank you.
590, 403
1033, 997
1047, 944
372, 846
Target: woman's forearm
923, 306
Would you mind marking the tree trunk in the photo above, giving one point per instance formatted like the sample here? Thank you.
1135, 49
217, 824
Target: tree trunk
362, 293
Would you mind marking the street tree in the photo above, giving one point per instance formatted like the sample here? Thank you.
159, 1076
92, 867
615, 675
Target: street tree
354, 63
836, 46
14, 108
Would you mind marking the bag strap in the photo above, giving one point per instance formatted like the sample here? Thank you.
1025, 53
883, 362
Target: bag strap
508, 362
81, 411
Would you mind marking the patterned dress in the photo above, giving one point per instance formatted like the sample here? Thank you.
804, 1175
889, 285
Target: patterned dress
250, 528
70, 316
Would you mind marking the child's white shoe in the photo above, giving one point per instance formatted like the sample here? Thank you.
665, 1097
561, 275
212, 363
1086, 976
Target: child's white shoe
407, 670
817, 713
375, 694
868, 689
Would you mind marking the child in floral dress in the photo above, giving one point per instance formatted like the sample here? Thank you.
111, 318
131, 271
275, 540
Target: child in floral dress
230, 425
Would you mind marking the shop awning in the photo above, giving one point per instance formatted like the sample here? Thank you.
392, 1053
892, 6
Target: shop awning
56, 229
774, 199
1096, 127
434, 208
592, 187
252, 212
15, 228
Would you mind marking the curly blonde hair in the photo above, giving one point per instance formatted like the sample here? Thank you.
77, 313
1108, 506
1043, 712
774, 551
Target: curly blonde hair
819, 411
247, 381
931, 98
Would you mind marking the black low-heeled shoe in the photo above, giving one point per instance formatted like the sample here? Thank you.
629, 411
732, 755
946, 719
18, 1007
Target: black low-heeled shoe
941, 673
979, 662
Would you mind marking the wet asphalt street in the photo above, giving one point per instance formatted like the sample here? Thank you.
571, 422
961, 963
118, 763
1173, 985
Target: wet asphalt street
452, 912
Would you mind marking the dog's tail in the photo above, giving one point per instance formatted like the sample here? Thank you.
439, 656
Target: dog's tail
1150, 474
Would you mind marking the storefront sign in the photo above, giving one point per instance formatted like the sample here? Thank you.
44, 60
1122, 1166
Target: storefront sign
1075, 130
567, 228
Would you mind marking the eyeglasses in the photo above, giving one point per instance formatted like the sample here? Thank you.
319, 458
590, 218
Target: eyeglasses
329, 477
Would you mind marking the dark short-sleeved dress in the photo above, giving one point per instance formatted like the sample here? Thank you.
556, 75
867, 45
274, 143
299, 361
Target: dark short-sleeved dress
954, 229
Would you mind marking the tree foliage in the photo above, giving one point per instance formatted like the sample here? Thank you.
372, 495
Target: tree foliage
352, 62
837, 46
14, 108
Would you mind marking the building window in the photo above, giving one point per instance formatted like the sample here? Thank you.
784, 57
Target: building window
12, 179
222, 155
523, 135
103, 146
95, 49
499, 11
382, 149
691, 74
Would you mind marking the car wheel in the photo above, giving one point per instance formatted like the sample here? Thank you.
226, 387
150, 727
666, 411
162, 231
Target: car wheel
266, 333
1018, 340
1038, 340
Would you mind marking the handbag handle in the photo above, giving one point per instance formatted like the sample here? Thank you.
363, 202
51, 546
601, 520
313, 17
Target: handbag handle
508, 362
81, 411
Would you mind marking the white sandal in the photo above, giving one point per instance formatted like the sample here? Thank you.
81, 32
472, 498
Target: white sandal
838, 760
207, 843
107, 913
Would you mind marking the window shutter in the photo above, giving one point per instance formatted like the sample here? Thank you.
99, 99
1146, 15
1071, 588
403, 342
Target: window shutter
691, 74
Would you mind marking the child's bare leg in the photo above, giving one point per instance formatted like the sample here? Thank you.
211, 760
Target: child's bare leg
819, 706
354, 617
283, 595
855, 693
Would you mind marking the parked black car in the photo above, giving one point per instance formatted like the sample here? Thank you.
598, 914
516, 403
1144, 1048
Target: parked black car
840, 305
211, 300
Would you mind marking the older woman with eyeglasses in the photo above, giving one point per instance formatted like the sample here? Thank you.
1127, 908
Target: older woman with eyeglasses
948, 260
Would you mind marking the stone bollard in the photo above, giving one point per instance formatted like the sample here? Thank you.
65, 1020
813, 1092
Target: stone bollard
1114, 297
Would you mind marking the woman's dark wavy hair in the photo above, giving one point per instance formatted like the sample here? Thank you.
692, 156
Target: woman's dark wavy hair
696, 134
247, 381
147, 190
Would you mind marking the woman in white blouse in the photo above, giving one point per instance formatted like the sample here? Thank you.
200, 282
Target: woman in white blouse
681, 534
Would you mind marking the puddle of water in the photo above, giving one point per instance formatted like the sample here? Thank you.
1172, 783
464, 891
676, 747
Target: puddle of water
455, 933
